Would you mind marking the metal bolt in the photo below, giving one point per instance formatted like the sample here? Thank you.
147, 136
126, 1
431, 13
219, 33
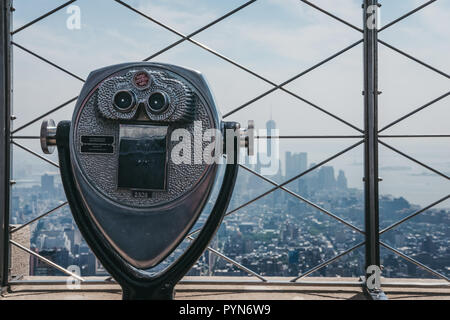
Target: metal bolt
48, 136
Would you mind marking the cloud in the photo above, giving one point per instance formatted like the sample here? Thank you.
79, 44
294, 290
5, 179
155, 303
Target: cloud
183, 16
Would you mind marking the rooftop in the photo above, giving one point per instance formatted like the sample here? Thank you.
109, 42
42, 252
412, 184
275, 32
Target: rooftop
233, 288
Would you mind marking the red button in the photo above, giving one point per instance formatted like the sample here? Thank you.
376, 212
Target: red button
141, 80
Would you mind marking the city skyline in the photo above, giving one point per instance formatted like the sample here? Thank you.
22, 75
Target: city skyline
433, 186
277, 236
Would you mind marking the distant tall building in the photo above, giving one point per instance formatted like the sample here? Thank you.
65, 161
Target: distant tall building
296, 163
58, 255
271, 199
47, 183
311, 180
270, 125
303, 187
341, 180
326, 177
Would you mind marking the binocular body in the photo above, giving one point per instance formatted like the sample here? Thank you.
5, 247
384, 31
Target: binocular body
154, 200
132, 200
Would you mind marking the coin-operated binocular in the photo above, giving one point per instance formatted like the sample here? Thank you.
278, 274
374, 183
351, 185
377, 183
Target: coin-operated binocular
132, 201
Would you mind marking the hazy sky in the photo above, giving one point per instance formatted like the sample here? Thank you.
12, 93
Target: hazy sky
277, 39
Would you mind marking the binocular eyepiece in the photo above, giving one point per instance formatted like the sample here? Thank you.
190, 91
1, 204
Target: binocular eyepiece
148, 94
125, 101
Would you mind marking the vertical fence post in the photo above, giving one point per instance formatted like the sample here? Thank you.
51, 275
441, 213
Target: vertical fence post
5, 146
371, 92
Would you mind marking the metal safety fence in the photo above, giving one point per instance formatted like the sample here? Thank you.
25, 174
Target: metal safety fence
370, 136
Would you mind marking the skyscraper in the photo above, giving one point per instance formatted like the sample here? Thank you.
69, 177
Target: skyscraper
296, 163
326, 177
341, 180
270, 125
47, 183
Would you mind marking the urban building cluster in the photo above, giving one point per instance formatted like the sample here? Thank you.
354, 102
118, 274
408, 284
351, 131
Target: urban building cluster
281, 234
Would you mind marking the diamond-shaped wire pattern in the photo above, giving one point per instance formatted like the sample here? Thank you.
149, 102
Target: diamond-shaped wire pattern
274, 87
